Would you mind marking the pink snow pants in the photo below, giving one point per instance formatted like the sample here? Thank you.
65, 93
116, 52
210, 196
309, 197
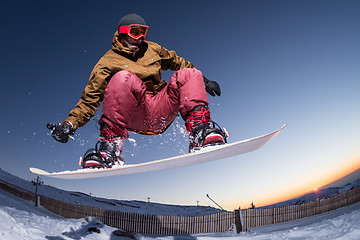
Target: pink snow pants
127, 106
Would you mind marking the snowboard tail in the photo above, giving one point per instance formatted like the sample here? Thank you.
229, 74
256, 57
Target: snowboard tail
204, 155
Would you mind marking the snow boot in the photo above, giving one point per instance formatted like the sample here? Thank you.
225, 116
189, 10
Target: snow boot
201, 134
107, 151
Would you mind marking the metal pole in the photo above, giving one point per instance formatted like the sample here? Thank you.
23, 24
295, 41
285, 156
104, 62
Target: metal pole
214, 201
36, 191
37, 182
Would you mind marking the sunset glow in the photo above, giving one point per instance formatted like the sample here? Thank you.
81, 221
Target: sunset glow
300, 189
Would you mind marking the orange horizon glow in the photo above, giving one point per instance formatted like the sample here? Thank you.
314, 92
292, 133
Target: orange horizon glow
348, 170
303, 189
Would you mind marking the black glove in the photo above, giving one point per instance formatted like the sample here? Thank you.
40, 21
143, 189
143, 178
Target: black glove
61, 131
212, 87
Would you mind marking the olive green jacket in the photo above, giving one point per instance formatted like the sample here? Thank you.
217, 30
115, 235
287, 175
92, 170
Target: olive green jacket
147, 63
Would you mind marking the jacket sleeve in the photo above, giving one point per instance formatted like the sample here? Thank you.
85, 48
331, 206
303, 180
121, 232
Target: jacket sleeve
91, 97
170, 60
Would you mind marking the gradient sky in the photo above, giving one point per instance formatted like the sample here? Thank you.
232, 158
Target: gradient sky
295, 62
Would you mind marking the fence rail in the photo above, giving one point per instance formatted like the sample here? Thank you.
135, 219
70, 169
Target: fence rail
149, 224
258, 217
17, 191
219, 222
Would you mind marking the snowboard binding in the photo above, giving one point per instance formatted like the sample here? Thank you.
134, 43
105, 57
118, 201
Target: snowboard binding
201, 133
207, 136
105, 155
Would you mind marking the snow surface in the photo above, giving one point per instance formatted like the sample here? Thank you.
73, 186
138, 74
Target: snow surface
79, 198
20, 219
141, 207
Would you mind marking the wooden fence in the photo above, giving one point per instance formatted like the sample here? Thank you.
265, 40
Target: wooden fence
258, 217
219, 222
132, 222
148, 224
17, 191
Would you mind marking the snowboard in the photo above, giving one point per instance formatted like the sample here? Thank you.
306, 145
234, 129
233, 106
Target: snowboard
206, 154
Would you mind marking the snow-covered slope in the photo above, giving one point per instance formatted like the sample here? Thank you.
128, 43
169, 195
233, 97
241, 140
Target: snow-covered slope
21, 220
79, 198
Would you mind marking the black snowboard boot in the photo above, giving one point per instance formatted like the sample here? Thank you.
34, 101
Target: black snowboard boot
107, 151
201, 133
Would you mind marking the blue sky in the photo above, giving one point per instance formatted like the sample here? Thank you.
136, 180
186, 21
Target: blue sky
277, 62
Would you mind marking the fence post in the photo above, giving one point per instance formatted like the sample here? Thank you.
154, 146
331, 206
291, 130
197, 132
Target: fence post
238, 221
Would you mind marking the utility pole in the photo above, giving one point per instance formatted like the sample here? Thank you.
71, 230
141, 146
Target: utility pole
37, 182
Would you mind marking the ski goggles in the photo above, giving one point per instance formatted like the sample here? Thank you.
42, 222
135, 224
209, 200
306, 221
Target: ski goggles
135, 31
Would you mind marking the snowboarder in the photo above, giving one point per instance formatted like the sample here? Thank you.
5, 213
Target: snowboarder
127, 80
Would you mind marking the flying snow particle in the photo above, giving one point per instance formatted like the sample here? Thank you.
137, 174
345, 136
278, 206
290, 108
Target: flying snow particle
133, 141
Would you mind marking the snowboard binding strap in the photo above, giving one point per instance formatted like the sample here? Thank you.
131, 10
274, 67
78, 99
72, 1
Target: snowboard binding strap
103, 156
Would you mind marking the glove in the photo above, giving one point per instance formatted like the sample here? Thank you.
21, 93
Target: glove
61, 131
212, 87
